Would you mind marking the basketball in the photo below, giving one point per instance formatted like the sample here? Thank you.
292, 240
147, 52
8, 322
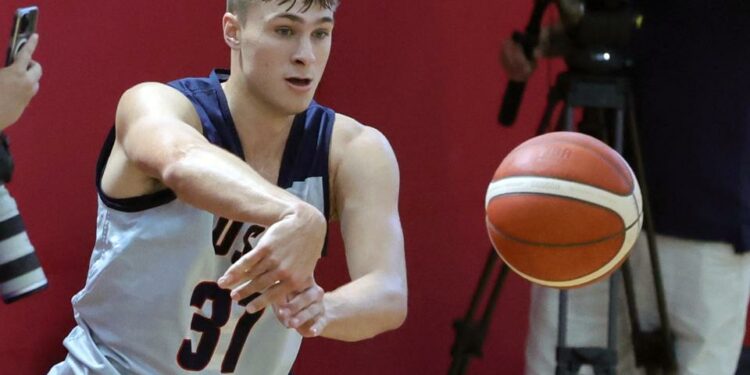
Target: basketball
563, 210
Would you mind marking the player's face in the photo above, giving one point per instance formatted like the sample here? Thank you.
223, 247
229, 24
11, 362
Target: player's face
283, 53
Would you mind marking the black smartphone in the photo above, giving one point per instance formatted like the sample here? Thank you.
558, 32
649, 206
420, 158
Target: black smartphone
24, 26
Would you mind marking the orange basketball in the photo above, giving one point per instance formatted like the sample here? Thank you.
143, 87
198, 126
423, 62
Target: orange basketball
563, 210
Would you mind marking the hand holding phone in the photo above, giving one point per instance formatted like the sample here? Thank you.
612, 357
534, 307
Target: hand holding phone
24, 26
19, 80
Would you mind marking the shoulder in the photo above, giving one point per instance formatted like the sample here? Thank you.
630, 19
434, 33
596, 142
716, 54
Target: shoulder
348, 132
154, 96
363, 166
359, 150
155, 99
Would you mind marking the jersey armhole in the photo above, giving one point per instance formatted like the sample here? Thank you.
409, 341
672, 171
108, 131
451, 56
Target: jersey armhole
132, 204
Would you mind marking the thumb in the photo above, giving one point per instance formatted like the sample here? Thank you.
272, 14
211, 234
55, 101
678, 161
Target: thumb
23, 58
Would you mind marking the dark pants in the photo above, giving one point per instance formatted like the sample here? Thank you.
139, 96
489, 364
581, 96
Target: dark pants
744, 367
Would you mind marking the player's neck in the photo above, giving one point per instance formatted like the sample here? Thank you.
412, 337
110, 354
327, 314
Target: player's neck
252, 116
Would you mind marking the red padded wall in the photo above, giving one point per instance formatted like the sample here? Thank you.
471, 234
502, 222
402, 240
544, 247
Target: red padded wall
425, 73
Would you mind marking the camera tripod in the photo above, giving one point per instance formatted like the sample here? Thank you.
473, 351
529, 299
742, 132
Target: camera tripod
607, 102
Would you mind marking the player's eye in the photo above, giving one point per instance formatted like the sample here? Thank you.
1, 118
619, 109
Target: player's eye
284, 31
321, 34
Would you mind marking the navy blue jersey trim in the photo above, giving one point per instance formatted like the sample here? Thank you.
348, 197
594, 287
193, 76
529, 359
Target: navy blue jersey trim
133, 204
212, 108
310, 134
231, 138
291, 149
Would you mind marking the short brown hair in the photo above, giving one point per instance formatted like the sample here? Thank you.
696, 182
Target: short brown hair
239, 7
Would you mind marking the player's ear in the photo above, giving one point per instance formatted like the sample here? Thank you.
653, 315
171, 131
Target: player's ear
232, 26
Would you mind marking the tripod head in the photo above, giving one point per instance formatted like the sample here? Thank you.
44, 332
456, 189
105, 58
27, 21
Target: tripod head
595, 40
599, 34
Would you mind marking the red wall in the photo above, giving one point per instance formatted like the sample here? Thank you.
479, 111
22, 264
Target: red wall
424, 72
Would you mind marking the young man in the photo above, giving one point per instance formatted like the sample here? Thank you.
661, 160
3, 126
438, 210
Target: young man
214, 195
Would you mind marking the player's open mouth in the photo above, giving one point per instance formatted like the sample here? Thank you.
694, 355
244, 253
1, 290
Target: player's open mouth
300, 82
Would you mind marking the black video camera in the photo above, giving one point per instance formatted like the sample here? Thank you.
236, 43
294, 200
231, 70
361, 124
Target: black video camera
595, 40
598, 34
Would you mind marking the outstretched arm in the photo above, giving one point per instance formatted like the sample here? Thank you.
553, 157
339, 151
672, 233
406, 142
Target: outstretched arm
366, 184
159, 144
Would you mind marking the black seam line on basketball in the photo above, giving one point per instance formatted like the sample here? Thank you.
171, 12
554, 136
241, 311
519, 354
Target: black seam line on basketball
589, 203
632, 189
18, 267
526, 242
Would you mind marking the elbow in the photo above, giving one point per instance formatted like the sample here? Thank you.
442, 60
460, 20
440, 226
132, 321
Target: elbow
173, 175
175, 170
399, 308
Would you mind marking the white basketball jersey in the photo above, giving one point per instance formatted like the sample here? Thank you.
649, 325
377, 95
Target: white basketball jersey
151, 304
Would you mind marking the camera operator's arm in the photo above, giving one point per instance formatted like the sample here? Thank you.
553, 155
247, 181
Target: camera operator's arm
19, 82
552, 42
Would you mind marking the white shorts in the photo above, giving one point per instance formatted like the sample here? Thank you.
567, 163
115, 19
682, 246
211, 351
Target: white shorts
707, 287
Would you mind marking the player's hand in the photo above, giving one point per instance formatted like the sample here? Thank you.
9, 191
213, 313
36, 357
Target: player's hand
282, 262
19, 82
304, 311
514, 62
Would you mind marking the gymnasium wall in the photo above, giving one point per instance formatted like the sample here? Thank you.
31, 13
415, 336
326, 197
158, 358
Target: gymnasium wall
425, 73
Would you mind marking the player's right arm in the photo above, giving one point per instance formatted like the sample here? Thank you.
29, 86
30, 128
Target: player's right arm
159, 145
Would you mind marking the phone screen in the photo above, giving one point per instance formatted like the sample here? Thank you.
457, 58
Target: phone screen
24, 25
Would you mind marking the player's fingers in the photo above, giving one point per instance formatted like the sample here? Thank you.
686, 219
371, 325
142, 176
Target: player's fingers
273, 294
246, 268
257, 304
306, 315
302, 301
256, 285
23, 58
315, 327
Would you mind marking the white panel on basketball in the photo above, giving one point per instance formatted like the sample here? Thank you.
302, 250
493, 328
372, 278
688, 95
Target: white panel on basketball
629, 208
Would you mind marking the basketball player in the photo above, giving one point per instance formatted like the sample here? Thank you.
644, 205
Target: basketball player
693, 106
214, 194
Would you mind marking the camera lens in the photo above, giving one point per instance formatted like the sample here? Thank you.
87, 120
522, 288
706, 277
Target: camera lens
20, 271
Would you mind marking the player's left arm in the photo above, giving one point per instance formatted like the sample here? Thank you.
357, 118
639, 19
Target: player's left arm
366, 189
365, 192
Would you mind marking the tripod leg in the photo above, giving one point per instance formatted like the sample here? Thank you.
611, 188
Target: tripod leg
553, 98
469, 335
562, 323
619, 129
563, 368
668, 360
614, 288
568, 112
